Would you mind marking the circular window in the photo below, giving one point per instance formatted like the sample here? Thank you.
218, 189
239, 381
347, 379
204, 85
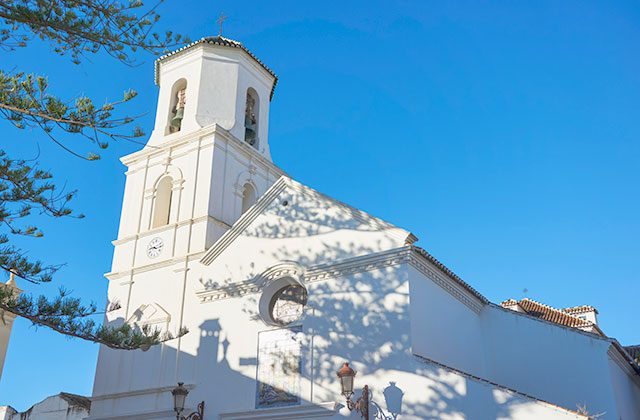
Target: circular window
287, 304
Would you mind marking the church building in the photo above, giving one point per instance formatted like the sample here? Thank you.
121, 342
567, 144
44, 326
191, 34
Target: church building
288, 293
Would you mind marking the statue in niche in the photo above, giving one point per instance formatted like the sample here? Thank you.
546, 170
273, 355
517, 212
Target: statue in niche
178, 112
250, 122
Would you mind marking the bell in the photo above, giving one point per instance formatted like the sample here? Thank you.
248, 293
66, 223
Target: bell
176, 121
250, 136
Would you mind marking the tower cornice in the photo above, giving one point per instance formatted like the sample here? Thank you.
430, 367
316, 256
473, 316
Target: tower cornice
218, 41
240, 146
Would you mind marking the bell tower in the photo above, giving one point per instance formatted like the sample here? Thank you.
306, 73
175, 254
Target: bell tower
214, 81
205, 163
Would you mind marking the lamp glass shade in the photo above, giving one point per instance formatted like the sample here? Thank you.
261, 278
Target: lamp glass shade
179, 396
346, 375
347, 385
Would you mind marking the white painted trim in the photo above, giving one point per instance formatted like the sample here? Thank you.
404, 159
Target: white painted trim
138, 415
307, 411
138, 392
194, 256
170, 226
323, 272
445, 281
205, 132
243, 222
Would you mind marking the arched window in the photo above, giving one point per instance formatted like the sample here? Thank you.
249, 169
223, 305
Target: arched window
248, 196
177, 104
251, 113
162, 203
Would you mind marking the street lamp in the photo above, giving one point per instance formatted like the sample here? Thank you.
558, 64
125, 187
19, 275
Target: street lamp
346, 375
179, 396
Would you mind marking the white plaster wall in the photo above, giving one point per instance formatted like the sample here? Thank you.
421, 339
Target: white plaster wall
444, 329
209, 172
558, 364
362, 318
626, 392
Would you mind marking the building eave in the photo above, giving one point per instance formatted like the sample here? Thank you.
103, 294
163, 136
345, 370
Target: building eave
218, 41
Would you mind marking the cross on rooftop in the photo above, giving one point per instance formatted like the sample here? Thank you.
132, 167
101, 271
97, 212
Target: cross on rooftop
220, 21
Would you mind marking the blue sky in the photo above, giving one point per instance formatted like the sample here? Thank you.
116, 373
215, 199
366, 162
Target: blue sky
504, 135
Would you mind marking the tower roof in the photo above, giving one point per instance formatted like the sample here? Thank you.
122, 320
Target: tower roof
219, 41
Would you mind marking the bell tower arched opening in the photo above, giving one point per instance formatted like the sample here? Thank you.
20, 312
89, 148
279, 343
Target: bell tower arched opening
249, 196
176, 106
251, 117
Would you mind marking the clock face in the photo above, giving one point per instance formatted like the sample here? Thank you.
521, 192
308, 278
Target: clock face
155, 247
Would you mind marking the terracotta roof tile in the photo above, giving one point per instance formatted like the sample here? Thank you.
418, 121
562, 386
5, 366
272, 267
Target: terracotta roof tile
548, 313
580, 309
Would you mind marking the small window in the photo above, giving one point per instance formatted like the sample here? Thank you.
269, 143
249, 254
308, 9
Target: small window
287, 304
248, 197
251, 114
162, 202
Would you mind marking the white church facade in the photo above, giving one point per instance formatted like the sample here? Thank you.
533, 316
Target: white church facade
280, 285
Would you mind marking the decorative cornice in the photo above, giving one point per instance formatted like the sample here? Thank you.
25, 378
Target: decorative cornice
137, 392
194, 256
218, 41
201, 134
305, 411
323, 272
138, 415
171, 226
254, 285
453, 285
370, 262
181, 140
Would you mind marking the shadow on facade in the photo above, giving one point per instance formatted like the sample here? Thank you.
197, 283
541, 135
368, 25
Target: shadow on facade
362, 318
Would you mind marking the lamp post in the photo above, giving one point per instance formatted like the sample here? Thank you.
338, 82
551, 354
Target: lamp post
179, 396
361, 405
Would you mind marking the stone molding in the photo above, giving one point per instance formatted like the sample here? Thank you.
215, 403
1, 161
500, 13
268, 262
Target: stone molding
272, 193
420, 263
619, 359
194, 256
170, 226
201, 136
254, 285
307, 411
159, 414
137, 392
244, 221
323, 272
